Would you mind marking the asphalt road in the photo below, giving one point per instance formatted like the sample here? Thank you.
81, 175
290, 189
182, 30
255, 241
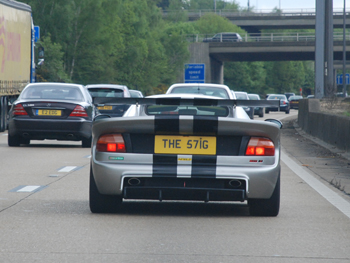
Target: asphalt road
45, 216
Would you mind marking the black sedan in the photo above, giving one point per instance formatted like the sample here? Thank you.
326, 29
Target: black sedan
54, 111
284, 103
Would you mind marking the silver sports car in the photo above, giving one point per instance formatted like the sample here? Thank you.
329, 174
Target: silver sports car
185, 147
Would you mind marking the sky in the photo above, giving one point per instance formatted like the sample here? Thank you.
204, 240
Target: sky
296, 5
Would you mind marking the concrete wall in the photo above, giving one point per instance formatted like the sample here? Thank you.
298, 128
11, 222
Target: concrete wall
332, 129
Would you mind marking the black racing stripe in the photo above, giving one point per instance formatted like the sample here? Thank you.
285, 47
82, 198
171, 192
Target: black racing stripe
164, 165
168, 101
167, 124
205, 125
203, 166
204, 102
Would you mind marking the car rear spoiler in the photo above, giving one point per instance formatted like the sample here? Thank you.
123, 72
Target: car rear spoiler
185, 102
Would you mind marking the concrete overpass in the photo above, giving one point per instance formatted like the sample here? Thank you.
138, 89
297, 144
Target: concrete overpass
214, 54
254, 22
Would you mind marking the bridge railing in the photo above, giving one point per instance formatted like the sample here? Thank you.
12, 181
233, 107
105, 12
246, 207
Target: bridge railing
269, 37
262, 12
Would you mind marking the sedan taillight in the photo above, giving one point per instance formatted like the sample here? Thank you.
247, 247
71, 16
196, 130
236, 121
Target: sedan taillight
111, 143
19, 110
260, 147
78, 111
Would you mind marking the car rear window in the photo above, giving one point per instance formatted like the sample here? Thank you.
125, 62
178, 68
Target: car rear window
49, 92
106, 93
209, 91
276, 97
187, 110
241, 96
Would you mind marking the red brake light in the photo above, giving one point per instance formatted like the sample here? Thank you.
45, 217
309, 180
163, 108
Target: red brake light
111, 143
19, 110
260, 147
78, 111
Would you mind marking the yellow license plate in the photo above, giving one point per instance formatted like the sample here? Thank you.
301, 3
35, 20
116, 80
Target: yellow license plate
185, 144
105, 108
49, 112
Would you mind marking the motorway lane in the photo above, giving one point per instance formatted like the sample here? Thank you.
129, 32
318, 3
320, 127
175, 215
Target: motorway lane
55, 224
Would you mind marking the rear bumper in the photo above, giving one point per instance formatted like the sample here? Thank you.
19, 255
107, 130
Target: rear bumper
282, 108
73, 130
256, 181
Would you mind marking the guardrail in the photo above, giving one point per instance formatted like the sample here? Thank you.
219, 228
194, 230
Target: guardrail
269, 37
254, 13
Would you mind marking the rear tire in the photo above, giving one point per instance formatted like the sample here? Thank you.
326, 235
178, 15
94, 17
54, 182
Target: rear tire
266, 207
25, 141
100, 203
266, 111
3, 114
86, 142
261, 113
13, 140
287, 111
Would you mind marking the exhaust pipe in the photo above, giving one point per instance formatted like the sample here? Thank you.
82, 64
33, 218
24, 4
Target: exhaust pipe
134, 181
235, 183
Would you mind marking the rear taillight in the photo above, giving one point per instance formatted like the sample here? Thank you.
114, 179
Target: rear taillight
111, 143
19, 110
260, 147
78, 111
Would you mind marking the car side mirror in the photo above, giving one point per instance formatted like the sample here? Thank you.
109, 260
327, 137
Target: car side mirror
277, 122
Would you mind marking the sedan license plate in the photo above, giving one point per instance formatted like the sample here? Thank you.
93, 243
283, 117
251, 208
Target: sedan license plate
48, 112
185, 144
105, 108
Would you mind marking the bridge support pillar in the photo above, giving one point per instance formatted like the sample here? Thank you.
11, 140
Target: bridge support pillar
324, 78
217, 71
214, 69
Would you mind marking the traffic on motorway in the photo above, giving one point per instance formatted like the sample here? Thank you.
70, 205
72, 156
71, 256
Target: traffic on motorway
196, 142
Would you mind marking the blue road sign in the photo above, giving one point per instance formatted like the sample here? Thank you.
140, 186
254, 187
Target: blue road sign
340, 79
36, 33
194, 73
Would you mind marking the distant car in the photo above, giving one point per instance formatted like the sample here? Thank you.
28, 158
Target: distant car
135, 93
341, 94
224, 37
284, 103
208, 89
257, 110
54, 111
241, 95
288, 94
190, 149
110, 91
294, 101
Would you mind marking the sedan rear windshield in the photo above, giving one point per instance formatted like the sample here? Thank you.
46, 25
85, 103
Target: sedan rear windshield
276, 97
209, 91
50, 92
106, 93
187, 110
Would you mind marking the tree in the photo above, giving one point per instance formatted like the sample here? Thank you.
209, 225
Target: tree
52, 69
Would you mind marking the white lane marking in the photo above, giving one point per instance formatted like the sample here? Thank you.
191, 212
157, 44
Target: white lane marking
28, 188
67, 169
330, 195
